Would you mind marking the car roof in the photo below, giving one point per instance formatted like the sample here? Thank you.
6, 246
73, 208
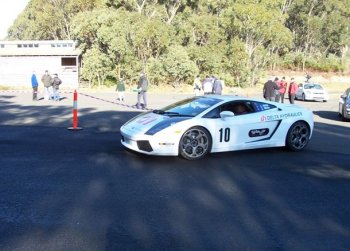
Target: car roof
235, 97
231, 97
311, 83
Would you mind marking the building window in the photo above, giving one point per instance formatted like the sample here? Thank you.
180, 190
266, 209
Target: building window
2, 46
68, 61
19, 46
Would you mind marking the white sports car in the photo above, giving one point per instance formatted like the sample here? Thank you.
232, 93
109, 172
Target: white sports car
196, 126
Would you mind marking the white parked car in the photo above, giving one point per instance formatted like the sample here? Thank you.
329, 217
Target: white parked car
344, 105
311, 91
196, 126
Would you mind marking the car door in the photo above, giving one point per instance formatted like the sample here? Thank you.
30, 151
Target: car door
247, 130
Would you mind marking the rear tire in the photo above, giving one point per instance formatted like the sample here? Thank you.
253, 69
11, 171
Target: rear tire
298, 136
303, 97
195, 143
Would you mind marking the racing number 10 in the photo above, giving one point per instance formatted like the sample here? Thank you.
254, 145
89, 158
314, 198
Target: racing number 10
224, 134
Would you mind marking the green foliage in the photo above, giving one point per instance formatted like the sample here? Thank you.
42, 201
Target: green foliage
178, 66
175, 40
297, 61
96, 66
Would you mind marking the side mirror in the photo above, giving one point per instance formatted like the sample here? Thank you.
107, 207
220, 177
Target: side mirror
343, 96
226, 114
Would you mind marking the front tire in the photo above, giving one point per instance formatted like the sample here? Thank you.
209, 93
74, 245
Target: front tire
195, 143
298, 136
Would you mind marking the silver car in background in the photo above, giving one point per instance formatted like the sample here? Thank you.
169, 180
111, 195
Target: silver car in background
344, 105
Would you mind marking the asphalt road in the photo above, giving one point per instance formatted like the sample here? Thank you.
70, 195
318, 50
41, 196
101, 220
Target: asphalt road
81, 190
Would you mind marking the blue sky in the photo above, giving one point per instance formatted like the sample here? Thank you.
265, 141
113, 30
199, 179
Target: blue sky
9, 10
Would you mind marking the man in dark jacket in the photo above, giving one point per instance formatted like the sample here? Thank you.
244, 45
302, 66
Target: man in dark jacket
269, 90
55, 84
142, 91
47, 81
217, 87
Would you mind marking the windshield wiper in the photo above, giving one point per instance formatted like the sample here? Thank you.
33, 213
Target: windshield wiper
170, 113
165, 112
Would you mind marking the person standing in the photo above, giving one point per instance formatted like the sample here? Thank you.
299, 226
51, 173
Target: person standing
47, 81
293, 88
207, 85
283, 88
196, 85
217, 86
56, 82
277, 92
269, 90
35, 84
120, 89
142, 91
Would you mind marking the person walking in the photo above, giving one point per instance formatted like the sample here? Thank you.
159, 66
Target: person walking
47, 81
283, 88
293, 88
142, 91
197, 85
120, 89
269, 90
56, 82
35, 85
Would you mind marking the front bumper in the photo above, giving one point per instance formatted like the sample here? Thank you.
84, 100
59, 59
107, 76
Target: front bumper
149, 145
316, 97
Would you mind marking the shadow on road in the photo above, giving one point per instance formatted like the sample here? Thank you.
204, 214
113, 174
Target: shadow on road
63, 190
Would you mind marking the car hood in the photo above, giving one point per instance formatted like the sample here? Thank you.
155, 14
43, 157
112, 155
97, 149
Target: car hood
150, 121
320, 91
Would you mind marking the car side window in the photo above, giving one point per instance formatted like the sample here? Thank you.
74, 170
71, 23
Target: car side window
240, 107
261, 106
213, 114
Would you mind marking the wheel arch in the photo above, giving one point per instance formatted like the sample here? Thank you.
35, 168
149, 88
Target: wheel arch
201, 127
295, 122
209, 133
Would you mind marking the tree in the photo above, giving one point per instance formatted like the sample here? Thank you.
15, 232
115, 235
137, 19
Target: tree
178, 66
49, 19
261, 29
96, 65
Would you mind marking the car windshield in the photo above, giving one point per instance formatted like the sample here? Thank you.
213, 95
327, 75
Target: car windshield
189, 107
313, 86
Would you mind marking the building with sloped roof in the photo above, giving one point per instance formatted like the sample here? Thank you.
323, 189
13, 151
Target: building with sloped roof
19, 59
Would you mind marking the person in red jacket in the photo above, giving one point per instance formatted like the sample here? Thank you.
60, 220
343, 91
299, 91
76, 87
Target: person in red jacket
293, 88
283, 88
